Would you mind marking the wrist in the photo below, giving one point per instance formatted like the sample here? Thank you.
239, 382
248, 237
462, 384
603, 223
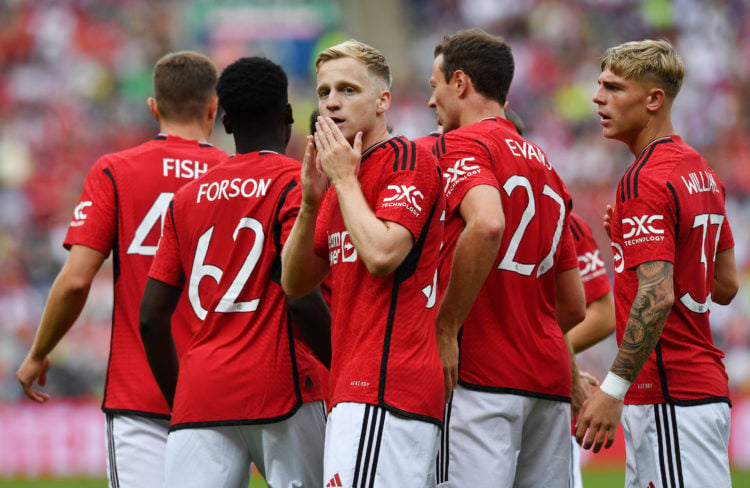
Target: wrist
615, 386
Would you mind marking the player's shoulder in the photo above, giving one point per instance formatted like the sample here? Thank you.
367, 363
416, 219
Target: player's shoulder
399, 153
579, 227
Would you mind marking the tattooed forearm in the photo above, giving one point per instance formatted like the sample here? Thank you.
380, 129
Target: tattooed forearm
649, 311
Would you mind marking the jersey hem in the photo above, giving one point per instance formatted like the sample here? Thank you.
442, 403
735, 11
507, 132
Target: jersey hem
137, 413
411, 415
684, 403
236, 422
513, 391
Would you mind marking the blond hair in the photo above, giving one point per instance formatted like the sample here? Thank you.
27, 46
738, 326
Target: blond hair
648, 60
368, 55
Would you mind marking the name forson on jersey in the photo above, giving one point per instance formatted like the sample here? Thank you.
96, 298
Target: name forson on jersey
340, 247
236, 187
404, 196
644, 228
183, 168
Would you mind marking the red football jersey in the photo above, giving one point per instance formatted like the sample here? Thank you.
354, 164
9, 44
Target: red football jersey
222, 241
670, 207
510, 341
124, 199
593, 272
383, 328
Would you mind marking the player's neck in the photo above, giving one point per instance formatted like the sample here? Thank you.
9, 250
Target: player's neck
245, 144
193, 131
478, 108
371, 138
655, 129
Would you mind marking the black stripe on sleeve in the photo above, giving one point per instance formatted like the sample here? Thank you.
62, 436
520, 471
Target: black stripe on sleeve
276, 229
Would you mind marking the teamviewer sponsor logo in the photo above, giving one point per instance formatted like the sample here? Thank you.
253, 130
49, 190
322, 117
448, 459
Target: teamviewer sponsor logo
79, 214
404, 196
341, 248
646, 228
618, 257
461, 170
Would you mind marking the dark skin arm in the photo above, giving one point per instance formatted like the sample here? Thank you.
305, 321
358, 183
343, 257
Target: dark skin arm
600, 414
157, 306
313, 319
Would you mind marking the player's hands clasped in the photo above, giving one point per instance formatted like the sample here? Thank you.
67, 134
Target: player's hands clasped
313, 179
336, 156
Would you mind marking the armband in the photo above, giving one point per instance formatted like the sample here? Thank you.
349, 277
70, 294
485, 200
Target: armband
615, 386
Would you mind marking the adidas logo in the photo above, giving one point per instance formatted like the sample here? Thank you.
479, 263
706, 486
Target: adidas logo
335, 481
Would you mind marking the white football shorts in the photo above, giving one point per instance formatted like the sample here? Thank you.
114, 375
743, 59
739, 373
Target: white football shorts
135, 451
286, 453
672, 446
370, 447
498, 439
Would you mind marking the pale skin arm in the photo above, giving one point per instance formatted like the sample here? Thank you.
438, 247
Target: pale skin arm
600, 414
64, 304
476, 249
382, 245
598, 324
301, 268
570, 299
726, 283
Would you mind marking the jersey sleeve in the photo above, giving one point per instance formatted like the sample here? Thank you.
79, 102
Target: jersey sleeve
590, 264
407, 196
94, 222
167, 263
726, 238
288, 211
648, 228
567, 257
465, 164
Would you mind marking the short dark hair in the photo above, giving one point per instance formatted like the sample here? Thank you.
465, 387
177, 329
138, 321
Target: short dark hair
184, 85
252, 88
486, 59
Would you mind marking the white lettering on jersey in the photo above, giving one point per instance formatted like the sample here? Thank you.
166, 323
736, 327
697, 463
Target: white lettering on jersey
183, 168
591, 265
404, 196
340, 246
78, 213
642, 229
617, 257
236, 187
700, 182
526, 150
461, 170
430, 291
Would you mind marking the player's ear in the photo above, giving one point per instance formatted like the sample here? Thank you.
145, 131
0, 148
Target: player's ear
153, 108
461, 82
655, 99
213, 108
384, 102
288, 114
226, 123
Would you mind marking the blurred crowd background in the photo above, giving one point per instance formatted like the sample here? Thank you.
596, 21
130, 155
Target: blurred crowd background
75, 75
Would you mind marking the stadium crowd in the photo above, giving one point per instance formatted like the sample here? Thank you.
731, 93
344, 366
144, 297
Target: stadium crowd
75, 75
